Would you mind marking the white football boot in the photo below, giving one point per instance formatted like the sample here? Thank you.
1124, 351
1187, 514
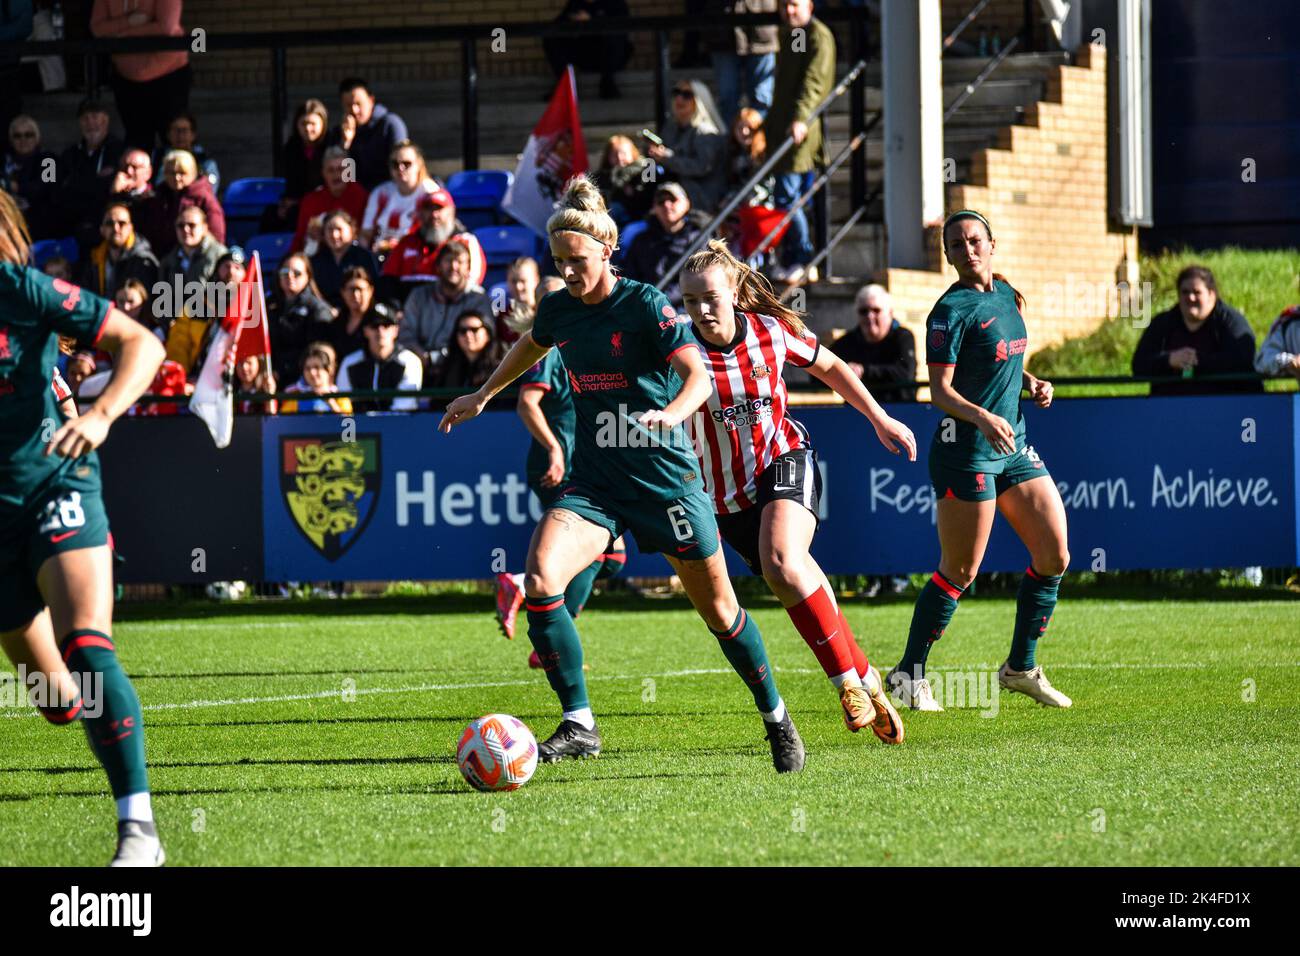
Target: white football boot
138, 845
1032, 683
915, 694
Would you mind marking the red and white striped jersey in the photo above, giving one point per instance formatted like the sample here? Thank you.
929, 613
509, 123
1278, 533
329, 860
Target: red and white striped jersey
743, 425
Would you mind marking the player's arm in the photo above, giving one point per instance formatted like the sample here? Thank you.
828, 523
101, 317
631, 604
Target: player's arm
832, 371
523, 355
697, 386
139, 355
946, 398
1039, 389
529, 408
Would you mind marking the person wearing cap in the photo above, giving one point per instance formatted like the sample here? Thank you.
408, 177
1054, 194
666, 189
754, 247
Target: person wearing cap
153, 86
340, 252
414, 259
671, 229
382, 365
85, 174
431, 310
879, 350
390, 210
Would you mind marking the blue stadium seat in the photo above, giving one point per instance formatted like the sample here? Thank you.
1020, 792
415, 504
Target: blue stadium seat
44, 250
478, 194
503, 244
630, 232
497, 292
272, 247
246, 200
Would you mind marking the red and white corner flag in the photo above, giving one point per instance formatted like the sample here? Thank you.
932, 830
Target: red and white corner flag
555, 153
243, 333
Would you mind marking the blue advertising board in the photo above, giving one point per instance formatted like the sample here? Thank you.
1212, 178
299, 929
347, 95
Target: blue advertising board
1147, 483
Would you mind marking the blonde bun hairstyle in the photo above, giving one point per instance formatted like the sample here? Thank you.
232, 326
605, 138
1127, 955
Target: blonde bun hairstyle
582, 209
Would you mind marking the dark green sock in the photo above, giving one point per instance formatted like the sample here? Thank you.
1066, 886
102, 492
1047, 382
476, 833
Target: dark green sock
116, 731
612, 564
934, 609
555, 638
578, 592
1034, 606
743, 646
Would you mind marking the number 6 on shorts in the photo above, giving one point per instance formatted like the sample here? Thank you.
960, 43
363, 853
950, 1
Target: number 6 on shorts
681, 524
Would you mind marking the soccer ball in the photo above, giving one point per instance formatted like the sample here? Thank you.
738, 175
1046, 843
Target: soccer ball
497, 752
226, 590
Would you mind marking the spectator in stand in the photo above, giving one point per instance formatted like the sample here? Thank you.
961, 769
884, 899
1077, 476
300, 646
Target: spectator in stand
123, 254
337, 192
744, 58
626, 180
197, 252
1280, 353
133, 181
747, 145
338, 253
86, 171
670, 231
431, 311
57, 267
473, 353
805, 74
132, 298
357, 292
390, 210
182, 187
28, 176
1201, 335
302, 158
415, 259
368, 132
518, 311
297, 316
187, 337
383, 365
693, 152
150, 88
880, 351
253, 375
605, 54
183, 133
319, 366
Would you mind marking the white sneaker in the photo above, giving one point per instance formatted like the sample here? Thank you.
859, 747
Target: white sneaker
1032, 683
138, 845
915, 694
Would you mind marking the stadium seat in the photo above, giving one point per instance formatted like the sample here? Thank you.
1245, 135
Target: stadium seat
478, 194
246, 200
630, 232
272, 247
503, 244
497, 292
44, 250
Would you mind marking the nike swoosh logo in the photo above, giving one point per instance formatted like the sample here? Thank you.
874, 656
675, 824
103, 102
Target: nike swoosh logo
829, 639
684, 547
56, 538
985, 325
560, 345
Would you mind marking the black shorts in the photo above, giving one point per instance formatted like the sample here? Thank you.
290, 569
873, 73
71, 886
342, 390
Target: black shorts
793, 476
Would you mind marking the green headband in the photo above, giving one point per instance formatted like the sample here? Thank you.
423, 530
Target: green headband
966, 214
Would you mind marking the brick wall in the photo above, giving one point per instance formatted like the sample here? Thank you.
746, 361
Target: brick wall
1044, 193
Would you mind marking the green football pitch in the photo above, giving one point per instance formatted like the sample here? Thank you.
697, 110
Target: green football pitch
323, 733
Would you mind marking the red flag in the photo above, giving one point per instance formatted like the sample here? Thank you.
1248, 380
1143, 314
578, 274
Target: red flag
555, 153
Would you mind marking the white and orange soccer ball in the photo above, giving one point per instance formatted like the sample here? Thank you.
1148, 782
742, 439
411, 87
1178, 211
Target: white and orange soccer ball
497, 752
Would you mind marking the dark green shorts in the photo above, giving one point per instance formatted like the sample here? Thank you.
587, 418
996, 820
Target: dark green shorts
67, 520
969, 485
546, 495
682, 528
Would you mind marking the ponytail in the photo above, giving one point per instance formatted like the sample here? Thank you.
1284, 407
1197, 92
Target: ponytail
1020, 299
753, 292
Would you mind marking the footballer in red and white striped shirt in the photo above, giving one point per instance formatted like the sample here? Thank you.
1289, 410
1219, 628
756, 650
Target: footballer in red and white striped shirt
760, 468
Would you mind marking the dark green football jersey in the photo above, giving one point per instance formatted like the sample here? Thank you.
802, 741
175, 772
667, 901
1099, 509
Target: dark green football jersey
982, 335
617, 355
34, 311
557, 408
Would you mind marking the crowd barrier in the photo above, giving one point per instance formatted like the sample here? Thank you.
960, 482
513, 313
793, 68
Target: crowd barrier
1196, 482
